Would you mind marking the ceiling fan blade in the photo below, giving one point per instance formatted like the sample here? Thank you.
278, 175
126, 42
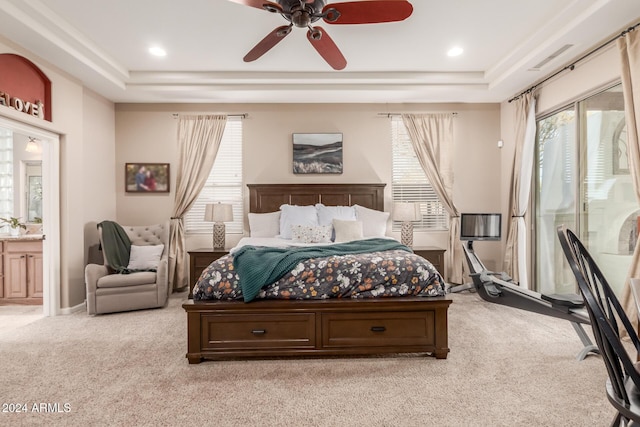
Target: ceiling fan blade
259, 4
326, 48
367, 12
272, 39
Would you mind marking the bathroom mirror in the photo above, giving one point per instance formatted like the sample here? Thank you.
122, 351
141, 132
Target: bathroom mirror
33, 184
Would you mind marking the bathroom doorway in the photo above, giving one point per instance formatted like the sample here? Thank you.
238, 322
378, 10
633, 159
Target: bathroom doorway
34, 197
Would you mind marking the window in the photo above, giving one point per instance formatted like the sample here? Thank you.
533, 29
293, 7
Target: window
410, 184
583, 182
6, 173
223, 185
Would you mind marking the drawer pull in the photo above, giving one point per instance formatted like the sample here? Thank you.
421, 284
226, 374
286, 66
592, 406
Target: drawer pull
259, 331
378, 329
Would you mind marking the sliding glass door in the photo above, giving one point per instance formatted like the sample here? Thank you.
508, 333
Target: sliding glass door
583, 182
556, 199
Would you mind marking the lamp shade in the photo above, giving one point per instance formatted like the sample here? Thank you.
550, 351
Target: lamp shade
403, 211
32, 146
218, 212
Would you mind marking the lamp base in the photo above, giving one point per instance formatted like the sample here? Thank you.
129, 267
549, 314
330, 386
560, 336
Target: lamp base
219, 235
406, 234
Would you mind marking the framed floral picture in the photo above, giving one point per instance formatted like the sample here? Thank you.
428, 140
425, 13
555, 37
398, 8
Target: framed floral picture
147, 178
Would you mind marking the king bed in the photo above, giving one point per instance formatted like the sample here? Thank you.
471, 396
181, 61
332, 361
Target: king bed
301, 314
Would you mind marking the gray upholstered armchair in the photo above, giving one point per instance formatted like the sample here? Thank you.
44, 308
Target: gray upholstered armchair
108, 293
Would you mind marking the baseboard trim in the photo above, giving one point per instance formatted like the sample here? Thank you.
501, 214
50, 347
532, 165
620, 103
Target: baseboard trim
75, 309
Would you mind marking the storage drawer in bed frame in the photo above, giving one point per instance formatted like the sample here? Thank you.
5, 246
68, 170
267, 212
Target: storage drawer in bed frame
229, 329
245, 332
378, 329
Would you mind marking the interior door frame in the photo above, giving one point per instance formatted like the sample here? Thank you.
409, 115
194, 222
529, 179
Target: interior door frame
50, 210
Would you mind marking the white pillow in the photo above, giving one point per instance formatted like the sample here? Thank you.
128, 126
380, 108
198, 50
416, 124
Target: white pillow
145, 257
311, 233
347, 230
264, 224
374, 223
300, 215
326, 214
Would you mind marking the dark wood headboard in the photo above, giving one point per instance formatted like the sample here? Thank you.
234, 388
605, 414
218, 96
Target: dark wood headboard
265, 198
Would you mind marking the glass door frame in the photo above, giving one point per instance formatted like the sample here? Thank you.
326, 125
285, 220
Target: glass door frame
534, 202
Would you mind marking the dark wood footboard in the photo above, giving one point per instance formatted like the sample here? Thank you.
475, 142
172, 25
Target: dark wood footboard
229, 329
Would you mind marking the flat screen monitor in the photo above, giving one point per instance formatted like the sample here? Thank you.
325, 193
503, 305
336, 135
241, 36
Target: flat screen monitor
480, 226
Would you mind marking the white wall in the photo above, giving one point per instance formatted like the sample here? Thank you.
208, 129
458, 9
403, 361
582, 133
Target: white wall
83, 121
147, 133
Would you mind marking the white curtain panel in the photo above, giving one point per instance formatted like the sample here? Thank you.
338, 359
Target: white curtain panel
516, 249
629, 48
432, 139
198, 143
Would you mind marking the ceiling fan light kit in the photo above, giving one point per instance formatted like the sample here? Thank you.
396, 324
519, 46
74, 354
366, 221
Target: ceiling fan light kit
303, 13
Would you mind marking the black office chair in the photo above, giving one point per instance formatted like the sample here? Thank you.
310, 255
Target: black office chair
607, 316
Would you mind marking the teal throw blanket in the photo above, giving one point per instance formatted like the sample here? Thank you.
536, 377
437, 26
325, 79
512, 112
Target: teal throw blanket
116, 246
261, 266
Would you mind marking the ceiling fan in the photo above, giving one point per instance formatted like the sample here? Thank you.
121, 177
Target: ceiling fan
303, 13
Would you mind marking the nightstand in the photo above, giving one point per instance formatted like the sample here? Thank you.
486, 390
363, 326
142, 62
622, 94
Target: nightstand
433, 255
199, 259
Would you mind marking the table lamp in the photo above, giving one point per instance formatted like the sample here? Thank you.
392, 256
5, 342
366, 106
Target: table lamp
406, 212
218, 213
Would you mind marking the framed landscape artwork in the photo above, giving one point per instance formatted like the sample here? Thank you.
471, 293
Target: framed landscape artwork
317, 153
147, 177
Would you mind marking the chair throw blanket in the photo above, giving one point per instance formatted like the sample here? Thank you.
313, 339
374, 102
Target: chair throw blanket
116, 246
261, 266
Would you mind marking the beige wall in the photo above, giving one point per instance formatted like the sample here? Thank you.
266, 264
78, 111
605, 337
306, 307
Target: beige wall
144, 135
597, 72
96, 141
147, 133
84, 122
98, 160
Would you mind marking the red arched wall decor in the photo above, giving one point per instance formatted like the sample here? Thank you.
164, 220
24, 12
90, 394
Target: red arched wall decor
24, 87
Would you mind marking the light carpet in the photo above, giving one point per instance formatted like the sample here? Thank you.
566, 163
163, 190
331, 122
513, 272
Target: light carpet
14, 316
506, 367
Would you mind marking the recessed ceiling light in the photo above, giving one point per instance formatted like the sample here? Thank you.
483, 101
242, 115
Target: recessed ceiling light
157, 51
455, 51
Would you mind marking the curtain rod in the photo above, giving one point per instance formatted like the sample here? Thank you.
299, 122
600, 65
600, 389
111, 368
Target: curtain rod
399, 114
574, 63
242, 116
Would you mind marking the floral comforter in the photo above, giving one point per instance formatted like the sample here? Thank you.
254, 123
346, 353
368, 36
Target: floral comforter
370, 275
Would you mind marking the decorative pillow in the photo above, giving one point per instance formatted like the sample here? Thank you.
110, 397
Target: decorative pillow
264, 224
301, 215
326, 214
145, 257
311, 233
347, 230
374, 223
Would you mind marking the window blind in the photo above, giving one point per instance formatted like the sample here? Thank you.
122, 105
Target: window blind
223, 185
410, 184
